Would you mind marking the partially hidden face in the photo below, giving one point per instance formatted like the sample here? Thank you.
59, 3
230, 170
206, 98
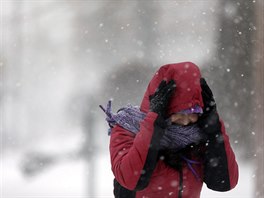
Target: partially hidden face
184, 119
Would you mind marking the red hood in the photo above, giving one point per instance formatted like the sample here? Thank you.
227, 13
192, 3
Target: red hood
188, 90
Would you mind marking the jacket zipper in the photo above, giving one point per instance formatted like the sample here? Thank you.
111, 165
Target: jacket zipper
181, 183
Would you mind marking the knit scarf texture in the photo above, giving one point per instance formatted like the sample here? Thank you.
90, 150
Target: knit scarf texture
175, 137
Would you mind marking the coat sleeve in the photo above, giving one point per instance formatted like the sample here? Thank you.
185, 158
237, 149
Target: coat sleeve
134, 157
220, 166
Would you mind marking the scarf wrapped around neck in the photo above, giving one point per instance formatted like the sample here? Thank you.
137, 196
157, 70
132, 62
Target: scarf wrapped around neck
175, 137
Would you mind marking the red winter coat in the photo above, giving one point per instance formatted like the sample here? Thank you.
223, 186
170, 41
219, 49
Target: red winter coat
138, 170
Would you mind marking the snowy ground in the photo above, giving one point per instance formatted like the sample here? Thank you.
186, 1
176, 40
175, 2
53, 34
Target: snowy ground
69, 180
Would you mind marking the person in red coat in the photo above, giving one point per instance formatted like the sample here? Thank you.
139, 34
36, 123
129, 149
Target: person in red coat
174, 142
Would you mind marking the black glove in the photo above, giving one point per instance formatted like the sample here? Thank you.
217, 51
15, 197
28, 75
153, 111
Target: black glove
209, 120
160, 99
215, 156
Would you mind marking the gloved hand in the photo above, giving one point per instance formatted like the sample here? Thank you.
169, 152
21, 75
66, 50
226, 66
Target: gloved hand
160, 99
215, 160
209, 120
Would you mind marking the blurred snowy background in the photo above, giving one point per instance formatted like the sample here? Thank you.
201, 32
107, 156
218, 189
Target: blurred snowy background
61, 59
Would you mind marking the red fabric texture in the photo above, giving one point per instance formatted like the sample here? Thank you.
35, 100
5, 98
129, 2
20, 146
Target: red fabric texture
129, 151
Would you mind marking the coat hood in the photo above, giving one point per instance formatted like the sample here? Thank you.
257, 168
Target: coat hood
188, 90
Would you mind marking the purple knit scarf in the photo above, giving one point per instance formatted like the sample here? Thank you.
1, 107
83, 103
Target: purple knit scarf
176, 137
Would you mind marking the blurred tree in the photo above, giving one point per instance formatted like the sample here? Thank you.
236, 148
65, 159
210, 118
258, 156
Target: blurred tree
13, 47
230, 72
86, 105
259, 99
